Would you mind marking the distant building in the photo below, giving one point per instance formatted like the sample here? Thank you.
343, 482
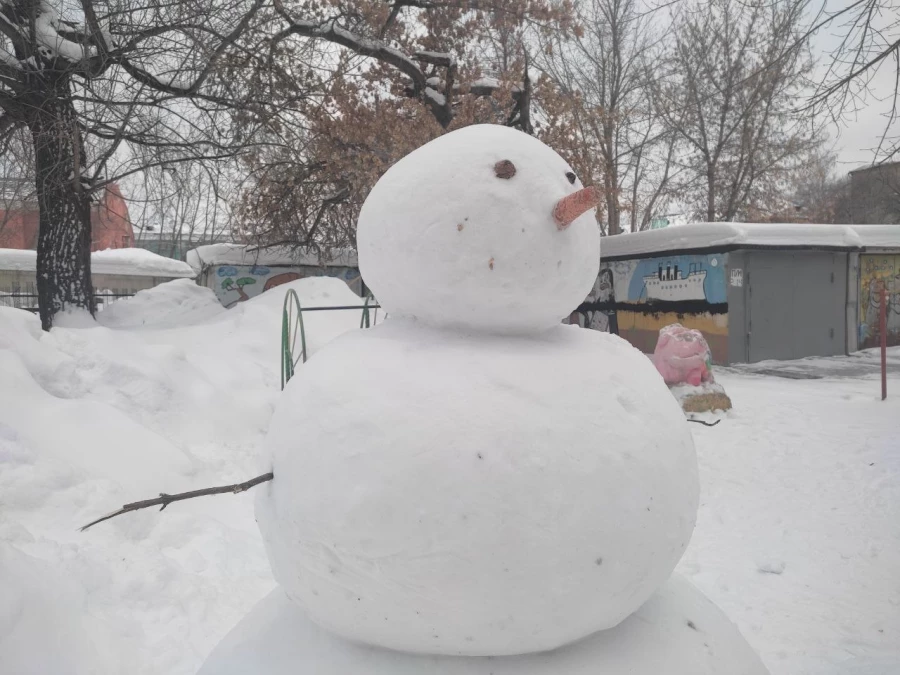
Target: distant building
114, 273
110, 223
756, 291
875, 194
236, 273
173, 245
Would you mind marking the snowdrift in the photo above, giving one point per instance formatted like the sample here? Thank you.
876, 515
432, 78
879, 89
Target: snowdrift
167, 391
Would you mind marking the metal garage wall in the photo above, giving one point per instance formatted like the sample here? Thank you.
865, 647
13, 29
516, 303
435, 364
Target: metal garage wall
635, 298
738, 340
795, 304
853, 296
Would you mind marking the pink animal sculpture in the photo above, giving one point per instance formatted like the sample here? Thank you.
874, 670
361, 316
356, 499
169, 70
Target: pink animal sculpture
682, 356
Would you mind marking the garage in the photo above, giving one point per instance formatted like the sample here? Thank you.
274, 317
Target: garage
795, 304
755, 291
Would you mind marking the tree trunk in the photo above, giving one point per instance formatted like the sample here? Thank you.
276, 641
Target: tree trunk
710, 196
612, 206
611, 180
64, 235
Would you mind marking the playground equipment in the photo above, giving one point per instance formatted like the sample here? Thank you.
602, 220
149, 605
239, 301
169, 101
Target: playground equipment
292, 328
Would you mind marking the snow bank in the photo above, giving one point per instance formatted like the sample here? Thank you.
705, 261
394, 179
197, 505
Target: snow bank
170, 305
127, 261
44, 624
677, 632
701, 236
147, 401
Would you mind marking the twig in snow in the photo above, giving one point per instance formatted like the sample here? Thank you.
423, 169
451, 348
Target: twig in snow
706, 424
164, 500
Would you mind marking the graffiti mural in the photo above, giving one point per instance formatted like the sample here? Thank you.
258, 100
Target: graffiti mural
238, 283
635, 298
877, 272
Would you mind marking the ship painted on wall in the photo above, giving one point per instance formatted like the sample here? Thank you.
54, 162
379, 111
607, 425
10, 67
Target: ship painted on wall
670, 284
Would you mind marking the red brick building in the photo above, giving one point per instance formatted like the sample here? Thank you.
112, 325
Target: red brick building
110, 224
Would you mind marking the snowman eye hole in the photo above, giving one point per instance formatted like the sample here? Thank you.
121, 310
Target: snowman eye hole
504, 169
571, 176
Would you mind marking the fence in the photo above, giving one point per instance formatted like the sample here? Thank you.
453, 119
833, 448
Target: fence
29, 301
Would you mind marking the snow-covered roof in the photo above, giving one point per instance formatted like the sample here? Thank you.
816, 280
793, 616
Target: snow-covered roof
240, 254
720, 236
878, 236
123, 261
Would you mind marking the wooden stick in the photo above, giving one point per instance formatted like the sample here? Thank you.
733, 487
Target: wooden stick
707, 424
164, 500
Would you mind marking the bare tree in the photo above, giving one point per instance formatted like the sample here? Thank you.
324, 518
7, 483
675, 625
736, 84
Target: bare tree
175, 207
16, 177
867, 48
393, 76
820, 194
735, 72
91, 81
606, 72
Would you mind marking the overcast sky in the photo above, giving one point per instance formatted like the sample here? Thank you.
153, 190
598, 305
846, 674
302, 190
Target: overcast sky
857, 136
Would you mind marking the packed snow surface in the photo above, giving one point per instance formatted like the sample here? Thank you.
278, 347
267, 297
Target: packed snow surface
677, 632
473, 494
486, 247
802, 475
127, 261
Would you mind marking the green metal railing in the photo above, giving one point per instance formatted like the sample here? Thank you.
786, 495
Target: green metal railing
364, 321
292, 327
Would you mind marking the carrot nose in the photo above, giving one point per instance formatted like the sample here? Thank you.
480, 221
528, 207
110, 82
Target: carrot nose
571, 206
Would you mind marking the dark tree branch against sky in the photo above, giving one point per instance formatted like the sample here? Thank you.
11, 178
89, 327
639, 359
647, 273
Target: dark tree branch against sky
856, 82
88, 80
392, 76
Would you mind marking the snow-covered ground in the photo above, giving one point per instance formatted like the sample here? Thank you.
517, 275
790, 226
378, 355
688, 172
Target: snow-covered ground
798, 537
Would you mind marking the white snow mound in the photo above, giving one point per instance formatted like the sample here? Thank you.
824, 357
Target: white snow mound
473, 494
44, 627
169, 305
486, 248
174, 393
677, 632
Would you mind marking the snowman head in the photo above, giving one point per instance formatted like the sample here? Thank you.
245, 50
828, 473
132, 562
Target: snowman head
485, 228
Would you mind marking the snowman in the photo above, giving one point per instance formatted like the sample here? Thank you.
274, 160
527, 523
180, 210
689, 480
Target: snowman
471, 478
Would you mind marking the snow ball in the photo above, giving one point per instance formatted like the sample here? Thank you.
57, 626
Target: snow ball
461, 232
771, 566
468, 493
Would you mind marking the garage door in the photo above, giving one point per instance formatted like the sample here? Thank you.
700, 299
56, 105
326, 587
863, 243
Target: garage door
797, 304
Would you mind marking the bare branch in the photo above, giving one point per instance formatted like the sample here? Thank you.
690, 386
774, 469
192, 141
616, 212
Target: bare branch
164, 500
145, 77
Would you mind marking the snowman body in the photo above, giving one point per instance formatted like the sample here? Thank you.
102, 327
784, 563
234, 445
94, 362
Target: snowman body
471, 477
